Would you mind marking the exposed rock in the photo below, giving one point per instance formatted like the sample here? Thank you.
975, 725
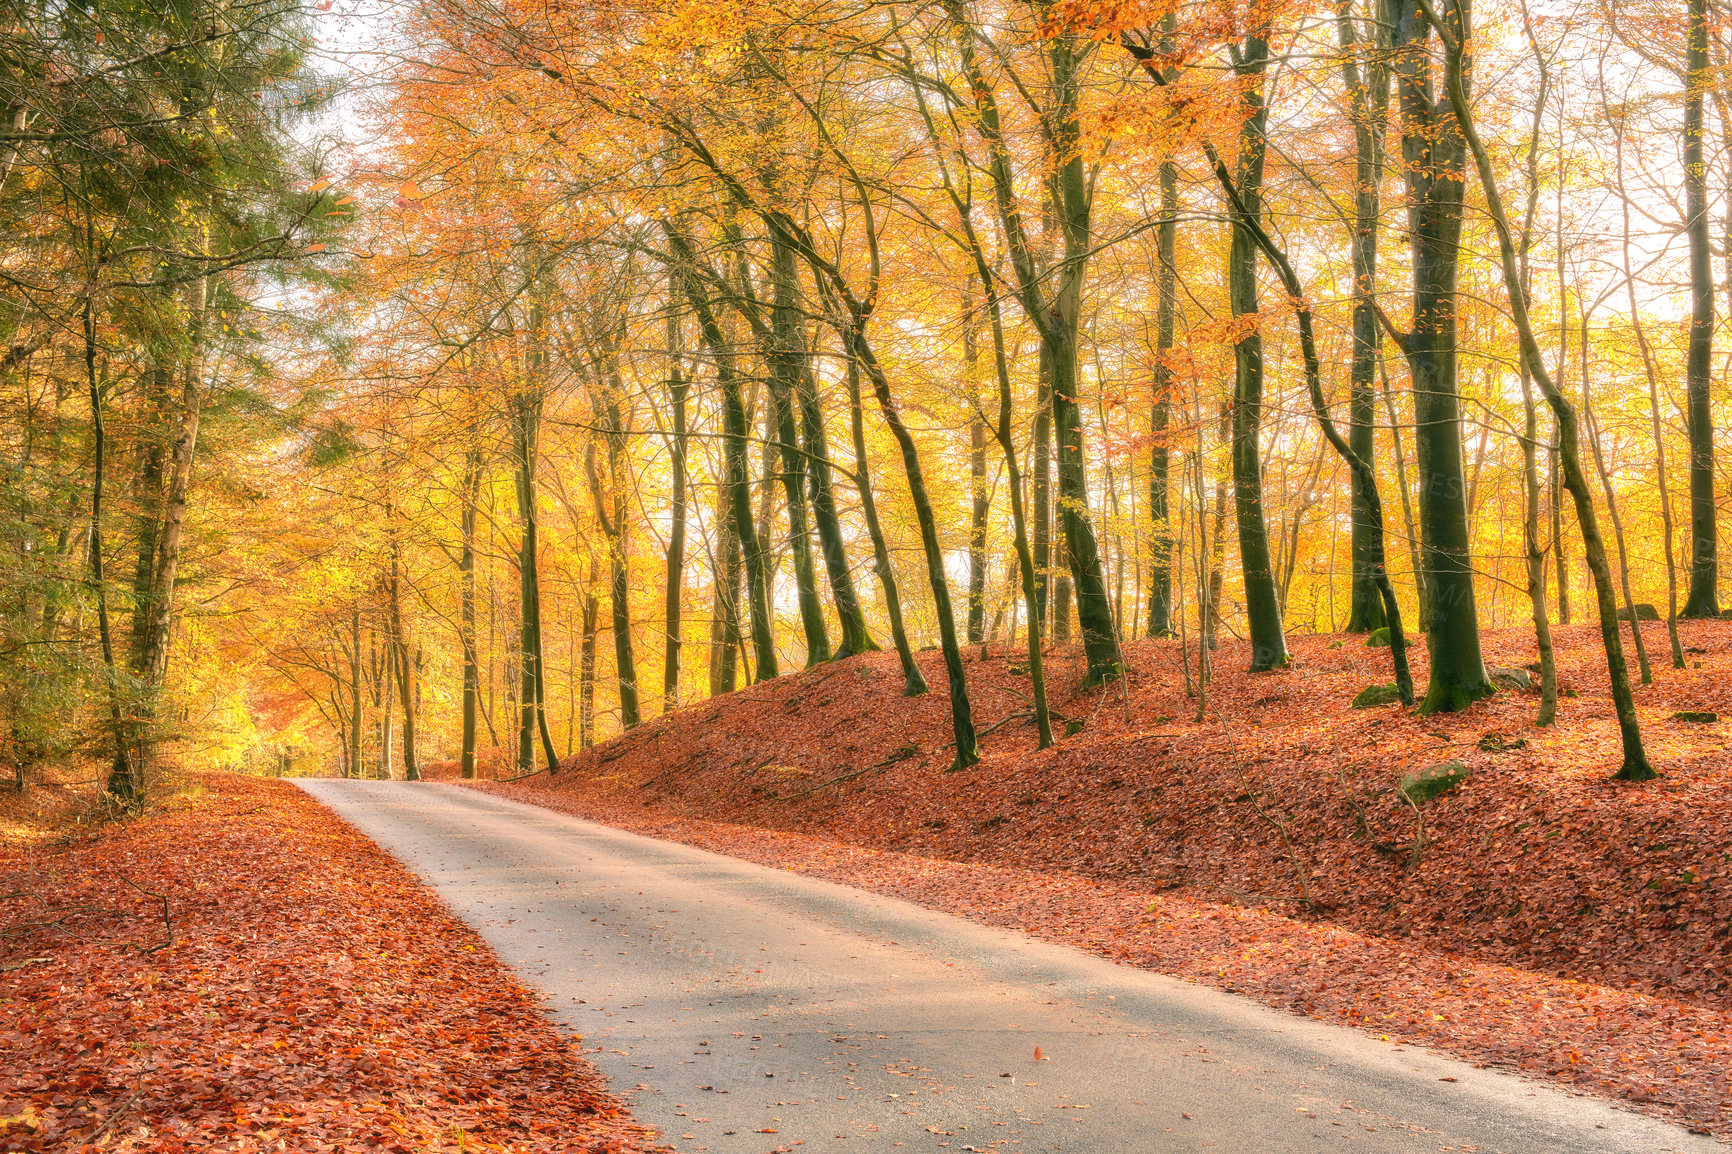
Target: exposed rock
1373, 696
1512, 678
1423, 785
1699, 716
1644, 612
1379, 639
1494, 743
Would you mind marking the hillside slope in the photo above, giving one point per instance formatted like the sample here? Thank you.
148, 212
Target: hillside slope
1284, 796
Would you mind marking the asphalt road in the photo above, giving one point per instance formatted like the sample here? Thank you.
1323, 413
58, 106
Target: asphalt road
745, 1009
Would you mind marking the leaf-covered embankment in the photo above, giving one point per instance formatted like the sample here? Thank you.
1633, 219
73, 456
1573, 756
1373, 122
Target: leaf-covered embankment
1538, 915
303, 992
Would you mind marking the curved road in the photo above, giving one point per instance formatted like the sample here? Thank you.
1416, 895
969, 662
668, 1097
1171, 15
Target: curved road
745, 1009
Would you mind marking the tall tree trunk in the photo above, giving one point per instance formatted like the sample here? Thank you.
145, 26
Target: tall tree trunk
147, 496
738, 479
1056, 313
725, 638
978, 505
472, 464
1160, 415
1558, 544
1703, 598
532, 697
1262, 595
676, 547
961, 714
1653, 375
399, 643
1536, 554
153, 613
1635, 765
1018, 517
610, 511
1435, 167
850, 613
1365, 74
787, 360
124, 783
1593, 431
914, 682
1041, 452
586, 659
1536, 559
354, 654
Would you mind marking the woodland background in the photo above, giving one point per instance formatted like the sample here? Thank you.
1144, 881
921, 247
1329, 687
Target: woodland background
475, 380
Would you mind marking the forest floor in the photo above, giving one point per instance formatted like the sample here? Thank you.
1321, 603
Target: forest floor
1538, 917
239, 970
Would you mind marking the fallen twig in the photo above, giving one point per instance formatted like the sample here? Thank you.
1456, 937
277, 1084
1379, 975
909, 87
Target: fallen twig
902, 754
21, 963
168, 922
115, 1116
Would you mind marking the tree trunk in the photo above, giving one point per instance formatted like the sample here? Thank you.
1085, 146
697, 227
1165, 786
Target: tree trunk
1019, 519
1593, 431
850, 613
1635, 765
1365, 74
738, 480
1041, 451
354, 653
1435, 167
1703, 598
610, 512
1160, 415
466, 567
978, 505
586, 659
914, 682
787, 359
961, 714
1262, 596
399, 642
675, 556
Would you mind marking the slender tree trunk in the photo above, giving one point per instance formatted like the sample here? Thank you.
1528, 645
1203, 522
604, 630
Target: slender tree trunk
850, 613
1412, 533
914, 682
1703, 598
124, 783
354, 654
472, 465
1653, 375
586, 659
1093, 606
1593, 431
610, 511
725, 637
1166, 309
1019, 518
399, 642
1262, 596
676, 547
787, 359
531, 703
1536, 560
1635, 765
961, 714
1435, 167
1041, 452
1365, 74
978, 506
1056, 313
